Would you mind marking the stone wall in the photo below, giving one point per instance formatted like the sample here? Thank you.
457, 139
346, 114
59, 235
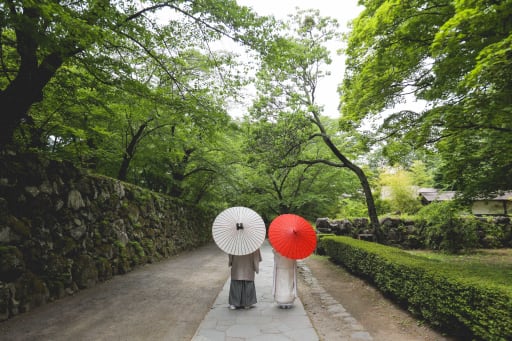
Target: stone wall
62, 230
491, 232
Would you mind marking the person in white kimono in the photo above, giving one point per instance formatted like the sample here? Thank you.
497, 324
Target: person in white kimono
284, 289
242, 292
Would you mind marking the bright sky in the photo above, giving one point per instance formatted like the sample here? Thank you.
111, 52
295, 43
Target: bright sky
342, 10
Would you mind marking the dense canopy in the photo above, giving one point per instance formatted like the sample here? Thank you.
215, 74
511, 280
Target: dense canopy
456, 57
140, 91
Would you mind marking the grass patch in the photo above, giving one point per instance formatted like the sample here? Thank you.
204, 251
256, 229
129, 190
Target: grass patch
493, 265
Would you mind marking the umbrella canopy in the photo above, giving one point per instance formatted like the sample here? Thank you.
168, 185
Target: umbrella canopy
292, 236
238, 231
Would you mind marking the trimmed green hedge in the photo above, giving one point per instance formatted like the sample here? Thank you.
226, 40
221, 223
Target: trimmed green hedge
454, 299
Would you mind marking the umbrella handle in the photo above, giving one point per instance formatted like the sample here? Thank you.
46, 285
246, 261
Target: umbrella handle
239, 226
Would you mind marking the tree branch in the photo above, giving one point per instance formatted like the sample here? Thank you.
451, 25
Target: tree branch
317, 161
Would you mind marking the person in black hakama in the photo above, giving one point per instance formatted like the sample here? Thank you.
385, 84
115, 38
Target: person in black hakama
242, 292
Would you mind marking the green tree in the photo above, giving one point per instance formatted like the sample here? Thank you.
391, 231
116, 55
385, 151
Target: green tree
147, 136
75, 121
278, 183
454, 56
181, 159
148, 129
421, 176
287, 83
39, 38
402, 190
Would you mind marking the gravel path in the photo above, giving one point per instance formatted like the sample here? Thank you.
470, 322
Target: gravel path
162, 301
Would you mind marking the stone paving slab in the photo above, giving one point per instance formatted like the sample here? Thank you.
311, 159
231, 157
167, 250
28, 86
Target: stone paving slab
265, 321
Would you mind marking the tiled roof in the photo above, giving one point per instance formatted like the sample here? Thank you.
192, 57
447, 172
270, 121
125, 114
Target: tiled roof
437, 196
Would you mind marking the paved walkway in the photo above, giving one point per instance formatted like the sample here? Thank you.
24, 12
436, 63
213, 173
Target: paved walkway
178, 299
163, 301
265, 321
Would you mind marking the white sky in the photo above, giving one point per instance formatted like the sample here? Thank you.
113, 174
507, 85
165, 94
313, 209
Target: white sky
342, 10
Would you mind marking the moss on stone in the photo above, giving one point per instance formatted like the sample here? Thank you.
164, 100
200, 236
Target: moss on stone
85, 273
149, 246
18, 226
57, 288
12, 263
31, 292
123, 258
66, 245
105, 250
104, 268
5, 301
59, 268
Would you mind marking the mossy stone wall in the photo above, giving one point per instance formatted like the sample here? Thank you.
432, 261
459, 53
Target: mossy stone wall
62, 230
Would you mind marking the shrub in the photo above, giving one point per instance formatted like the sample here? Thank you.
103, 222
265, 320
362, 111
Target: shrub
459, 300
352, 208
402, 195
445, 229
492, 235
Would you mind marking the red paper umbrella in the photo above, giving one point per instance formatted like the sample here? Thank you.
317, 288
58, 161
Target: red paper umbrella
292, 236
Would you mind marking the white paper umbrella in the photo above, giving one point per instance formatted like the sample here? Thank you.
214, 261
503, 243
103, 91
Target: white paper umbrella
238, 231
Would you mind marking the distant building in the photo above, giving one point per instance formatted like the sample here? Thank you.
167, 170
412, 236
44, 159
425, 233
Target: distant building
428, 195
499, 205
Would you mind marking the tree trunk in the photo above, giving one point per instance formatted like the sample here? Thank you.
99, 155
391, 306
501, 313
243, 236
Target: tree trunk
370, 203
25, 90
372, 211
130, 152
15, 102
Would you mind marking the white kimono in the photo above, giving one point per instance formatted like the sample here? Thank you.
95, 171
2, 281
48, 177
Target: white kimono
284, 289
